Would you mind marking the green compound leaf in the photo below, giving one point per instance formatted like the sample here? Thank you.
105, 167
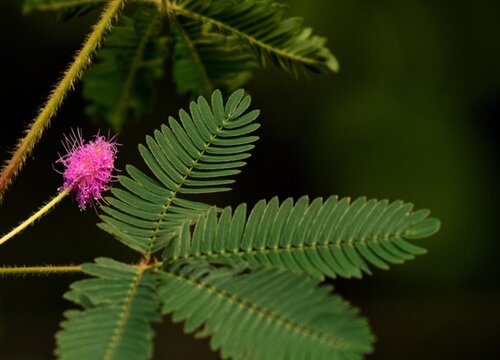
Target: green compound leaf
321, 238
120, 86
118, 306
261, 25
264, 314
204, 61
197, 155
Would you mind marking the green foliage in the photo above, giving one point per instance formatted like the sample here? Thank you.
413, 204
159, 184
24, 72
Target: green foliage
212, 44
260, 23
264, 314
251, 283
205, 60
118, 306
329, 238
120, 85
193, 156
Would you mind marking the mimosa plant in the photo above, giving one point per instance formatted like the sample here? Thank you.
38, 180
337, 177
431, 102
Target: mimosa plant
250, 278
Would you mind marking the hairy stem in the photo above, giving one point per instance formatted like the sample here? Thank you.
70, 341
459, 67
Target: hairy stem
39, 270
46, 270
42, 211
56, 97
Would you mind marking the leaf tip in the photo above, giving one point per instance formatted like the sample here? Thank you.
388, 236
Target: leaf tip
425, 228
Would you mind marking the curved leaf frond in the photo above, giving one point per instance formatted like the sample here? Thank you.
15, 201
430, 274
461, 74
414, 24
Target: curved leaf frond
264, 314
260, 24
120, 85
119, 305
197, 155
205, 60
330, 238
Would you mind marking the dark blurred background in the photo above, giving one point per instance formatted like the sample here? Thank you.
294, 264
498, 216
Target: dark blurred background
413, 115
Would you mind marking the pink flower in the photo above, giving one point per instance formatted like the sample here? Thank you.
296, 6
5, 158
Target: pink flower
88, 166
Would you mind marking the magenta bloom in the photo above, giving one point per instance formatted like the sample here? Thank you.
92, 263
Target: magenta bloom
88, 166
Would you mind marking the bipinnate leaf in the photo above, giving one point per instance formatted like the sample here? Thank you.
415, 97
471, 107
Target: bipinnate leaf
197, 155
118, 306
321, 238
264, 314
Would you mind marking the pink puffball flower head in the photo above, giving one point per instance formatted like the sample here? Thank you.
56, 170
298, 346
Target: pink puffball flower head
88, 166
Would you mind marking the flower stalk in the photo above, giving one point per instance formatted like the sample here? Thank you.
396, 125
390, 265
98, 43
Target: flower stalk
37, 215
81, 61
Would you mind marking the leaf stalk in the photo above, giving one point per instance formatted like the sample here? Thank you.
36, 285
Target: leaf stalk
39, 270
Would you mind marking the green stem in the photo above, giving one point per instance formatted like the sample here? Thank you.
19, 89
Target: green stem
56, 269
42, 211
39, 270
70, 77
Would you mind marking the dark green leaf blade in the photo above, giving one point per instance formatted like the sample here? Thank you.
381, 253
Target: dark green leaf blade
261, 25
331, 238
264, 314
119, 304
204, 61
120, 85
197, 155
